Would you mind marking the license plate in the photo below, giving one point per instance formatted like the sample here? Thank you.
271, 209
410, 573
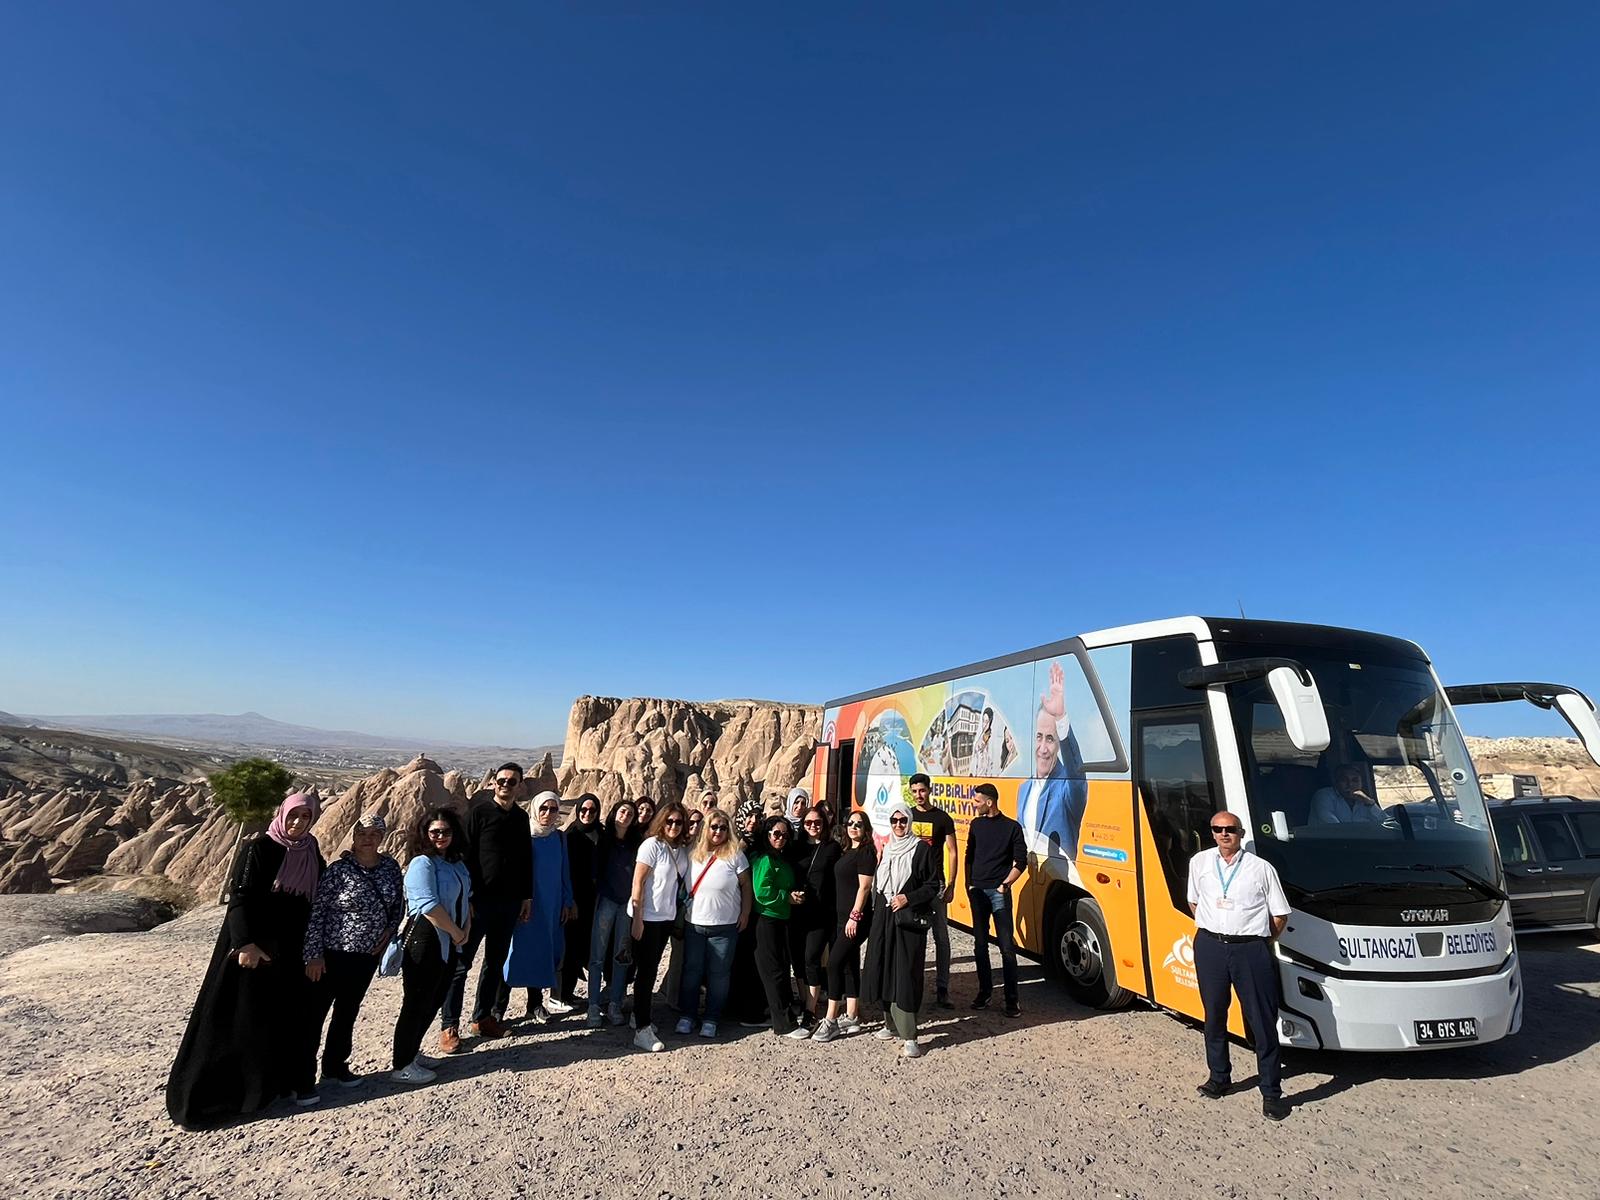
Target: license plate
1462, 1029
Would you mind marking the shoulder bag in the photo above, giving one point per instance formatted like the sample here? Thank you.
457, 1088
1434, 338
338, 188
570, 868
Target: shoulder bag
395, 952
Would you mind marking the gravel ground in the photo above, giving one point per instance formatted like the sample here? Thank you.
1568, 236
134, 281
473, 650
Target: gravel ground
1064, 1102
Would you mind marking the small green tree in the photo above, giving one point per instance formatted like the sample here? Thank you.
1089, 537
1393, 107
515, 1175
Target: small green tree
249, 792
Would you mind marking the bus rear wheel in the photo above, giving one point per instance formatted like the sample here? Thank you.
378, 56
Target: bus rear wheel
1079, 950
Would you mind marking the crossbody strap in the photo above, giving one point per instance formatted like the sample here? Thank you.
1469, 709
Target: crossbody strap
710, 862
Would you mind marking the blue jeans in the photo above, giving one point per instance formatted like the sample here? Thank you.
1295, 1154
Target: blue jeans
987, 902
708, 957
610, 934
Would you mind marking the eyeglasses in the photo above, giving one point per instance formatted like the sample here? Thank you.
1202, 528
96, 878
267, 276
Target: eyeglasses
1233, 829
440, 833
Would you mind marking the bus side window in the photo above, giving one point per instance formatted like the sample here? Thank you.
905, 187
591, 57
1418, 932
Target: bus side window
1178, 797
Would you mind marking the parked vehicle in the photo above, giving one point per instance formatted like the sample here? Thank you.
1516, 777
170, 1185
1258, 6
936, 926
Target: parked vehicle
1550, 847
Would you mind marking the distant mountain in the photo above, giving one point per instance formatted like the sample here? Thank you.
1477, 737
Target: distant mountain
249, 729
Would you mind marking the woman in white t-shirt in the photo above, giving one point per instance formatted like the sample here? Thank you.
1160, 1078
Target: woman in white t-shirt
719, 908
658, 874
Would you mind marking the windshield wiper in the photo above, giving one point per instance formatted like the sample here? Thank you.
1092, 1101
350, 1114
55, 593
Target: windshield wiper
1463, 873
1339, 889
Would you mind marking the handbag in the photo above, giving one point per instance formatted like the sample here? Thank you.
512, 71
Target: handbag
910, 918
395, 952
680, 918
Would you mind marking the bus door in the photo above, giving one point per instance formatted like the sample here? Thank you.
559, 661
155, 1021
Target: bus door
1174, 763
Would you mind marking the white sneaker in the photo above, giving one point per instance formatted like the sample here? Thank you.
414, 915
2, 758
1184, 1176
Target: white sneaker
415, 1073
798, 1034
911, 1049
885, 1034
848, 1024
708, 1029
684, 1025
646, 1039
825, 1031
557, 1006
596, 1018
615, 1016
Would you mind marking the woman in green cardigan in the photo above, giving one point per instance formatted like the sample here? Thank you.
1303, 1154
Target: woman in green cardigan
773, 882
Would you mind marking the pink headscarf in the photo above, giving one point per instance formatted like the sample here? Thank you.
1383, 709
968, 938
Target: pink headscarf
298, 875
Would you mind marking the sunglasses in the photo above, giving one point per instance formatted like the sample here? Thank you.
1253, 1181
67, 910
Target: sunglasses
718, 828
1233, 829
549, 808
780, 834
587, 808
856, 825
440, 833
505, 782
671, 821
899, 820
812, 824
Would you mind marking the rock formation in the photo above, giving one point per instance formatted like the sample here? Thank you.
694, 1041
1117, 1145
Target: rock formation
675, 749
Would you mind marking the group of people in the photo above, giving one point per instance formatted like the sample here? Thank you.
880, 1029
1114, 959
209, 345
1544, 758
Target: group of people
773, 918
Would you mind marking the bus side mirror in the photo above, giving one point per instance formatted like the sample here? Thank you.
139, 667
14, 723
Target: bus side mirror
1578, 709
1301, 704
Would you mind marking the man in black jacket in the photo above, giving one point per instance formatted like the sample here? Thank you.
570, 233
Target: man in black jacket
499, 858
997, 855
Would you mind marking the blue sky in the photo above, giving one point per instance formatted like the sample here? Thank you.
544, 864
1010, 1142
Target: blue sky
416, 369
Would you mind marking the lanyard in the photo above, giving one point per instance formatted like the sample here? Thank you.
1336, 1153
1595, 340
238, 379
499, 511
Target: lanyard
1227, 883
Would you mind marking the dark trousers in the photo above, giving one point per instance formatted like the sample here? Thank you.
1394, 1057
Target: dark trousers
425, 977
746, 998
343, 986
1249, 968
576, 960
772, 965
493, 922
647, 953
844, 965
993, 903
817, 941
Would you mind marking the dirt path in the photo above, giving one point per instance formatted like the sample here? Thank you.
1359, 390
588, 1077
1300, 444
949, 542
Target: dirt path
1063, 1103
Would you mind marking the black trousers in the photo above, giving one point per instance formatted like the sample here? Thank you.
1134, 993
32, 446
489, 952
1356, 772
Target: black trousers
844, 964
493, 922
1249, 969
647, 953
425, 977
987, 904
575, 962
817, 941
343, 986
772, 965
746, 997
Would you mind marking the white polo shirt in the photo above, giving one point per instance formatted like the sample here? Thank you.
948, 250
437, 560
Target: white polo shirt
1241, 898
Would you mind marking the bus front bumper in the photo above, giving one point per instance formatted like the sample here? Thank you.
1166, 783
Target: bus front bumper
1327, 1012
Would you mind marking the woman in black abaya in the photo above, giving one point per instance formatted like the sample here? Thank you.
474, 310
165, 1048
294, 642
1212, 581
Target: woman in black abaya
248, 1039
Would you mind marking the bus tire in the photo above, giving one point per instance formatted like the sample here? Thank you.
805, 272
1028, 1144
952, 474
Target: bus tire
1078, 953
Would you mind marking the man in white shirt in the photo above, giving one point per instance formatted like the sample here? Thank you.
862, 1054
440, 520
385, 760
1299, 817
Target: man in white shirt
1239, 907
1347, 802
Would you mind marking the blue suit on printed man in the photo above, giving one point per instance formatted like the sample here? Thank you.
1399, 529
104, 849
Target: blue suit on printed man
1051, 810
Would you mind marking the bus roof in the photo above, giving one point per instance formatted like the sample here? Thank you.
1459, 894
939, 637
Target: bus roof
1205, 629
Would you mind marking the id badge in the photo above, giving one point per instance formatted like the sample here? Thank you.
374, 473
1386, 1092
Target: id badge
1224, 902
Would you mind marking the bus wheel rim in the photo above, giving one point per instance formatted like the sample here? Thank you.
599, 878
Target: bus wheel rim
1080, 953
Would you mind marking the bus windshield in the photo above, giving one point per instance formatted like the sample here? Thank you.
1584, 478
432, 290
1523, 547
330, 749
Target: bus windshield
1390, 813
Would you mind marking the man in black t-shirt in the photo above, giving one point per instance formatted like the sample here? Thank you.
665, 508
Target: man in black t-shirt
934, 826
997, 855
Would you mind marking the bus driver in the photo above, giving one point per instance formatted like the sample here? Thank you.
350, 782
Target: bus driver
1347, 802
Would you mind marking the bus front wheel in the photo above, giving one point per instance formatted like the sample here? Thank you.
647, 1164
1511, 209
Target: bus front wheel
1080, 954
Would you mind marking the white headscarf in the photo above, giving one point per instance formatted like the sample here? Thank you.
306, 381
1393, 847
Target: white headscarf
894, 866
539, 830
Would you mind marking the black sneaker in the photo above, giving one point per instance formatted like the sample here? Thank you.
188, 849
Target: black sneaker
342, 1076
981, 1000
943, 1001
1213, 1090
1274, 1108
1013, 1009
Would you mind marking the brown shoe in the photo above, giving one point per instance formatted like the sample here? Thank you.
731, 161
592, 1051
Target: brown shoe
449, 1041
488, 1028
